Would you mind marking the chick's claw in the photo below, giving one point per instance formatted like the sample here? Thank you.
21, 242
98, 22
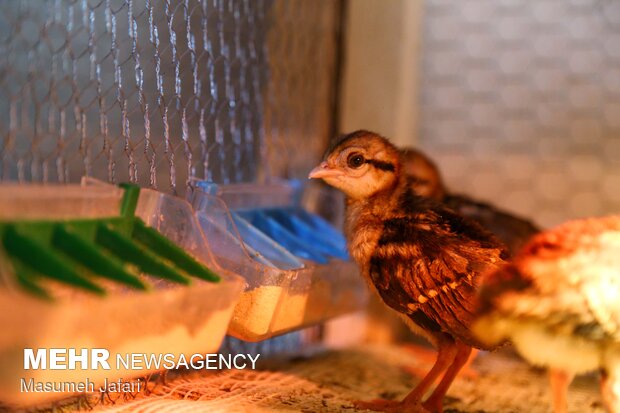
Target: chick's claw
390, 406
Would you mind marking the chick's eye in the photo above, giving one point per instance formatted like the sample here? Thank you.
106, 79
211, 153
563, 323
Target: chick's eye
355, 160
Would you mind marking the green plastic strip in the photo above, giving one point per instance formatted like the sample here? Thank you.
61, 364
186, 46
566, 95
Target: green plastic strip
130, 199
162, 246
71, 251
42, 260
126, 249
90, 256
27, 278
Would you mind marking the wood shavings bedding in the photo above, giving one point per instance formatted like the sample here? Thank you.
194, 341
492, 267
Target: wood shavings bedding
330, 381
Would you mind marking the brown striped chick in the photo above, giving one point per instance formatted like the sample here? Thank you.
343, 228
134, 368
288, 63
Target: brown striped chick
511, 229
423, 259
559, 303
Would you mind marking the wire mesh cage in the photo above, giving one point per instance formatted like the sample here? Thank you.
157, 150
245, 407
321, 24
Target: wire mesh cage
156, 92
301, 109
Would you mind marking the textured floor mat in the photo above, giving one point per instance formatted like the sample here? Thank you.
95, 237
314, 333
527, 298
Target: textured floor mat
330, 381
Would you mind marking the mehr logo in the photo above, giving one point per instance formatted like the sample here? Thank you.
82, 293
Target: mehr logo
66, 359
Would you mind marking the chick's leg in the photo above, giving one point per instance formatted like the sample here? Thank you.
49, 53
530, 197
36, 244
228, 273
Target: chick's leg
435, 402
610, 390
559, 380
468, 370
446, 353
428, 356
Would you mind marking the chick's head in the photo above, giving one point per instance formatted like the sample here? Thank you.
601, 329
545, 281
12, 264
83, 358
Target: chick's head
427, 179
360, 164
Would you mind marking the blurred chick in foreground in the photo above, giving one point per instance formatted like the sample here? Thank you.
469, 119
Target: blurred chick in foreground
514, 231
559, 303
423, 259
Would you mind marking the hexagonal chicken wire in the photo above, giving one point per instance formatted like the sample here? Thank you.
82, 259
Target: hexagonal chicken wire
154, 92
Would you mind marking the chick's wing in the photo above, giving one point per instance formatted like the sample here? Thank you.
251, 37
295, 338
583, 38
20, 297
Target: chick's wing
431, 263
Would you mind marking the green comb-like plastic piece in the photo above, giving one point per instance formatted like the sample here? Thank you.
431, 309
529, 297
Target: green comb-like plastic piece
152, 239
126, 249
28, 279
43, 260
66, 239
77, 252
130, 200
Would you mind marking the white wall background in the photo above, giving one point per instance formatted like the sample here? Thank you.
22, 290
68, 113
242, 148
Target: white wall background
520, 103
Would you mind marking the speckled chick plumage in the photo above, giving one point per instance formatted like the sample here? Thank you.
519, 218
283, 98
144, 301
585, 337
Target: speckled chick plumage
559, 303
423, 259
563, 288
514, 231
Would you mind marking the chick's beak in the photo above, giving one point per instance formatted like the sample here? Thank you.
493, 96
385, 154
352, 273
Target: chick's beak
324, 171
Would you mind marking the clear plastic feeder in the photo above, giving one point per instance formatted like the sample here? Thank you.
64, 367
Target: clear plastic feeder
167, 319
292, 281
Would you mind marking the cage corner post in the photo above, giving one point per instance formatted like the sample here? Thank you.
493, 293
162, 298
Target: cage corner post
380, 70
